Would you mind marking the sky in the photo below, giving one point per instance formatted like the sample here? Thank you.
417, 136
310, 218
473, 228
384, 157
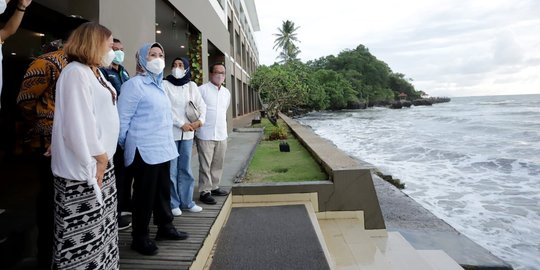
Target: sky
448, 47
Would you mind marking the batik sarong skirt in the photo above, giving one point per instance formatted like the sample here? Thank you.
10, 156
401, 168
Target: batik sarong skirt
86, 233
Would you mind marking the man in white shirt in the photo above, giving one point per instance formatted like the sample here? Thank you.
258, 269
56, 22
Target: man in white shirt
211, 138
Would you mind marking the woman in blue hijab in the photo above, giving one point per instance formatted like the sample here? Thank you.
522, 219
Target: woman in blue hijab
147, 139
181, 91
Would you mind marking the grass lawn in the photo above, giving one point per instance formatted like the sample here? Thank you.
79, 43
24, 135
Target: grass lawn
271, 165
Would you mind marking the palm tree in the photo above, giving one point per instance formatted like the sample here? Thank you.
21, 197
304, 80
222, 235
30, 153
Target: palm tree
291, 53
285, 41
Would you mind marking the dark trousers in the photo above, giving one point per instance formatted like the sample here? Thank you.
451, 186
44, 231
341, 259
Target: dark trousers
124, 180
151, 193
45, 212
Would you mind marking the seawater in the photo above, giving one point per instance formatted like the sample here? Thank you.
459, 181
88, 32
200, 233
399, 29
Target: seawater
474, 162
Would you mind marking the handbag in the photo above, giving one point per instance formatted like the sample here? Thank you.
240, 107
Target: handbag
192, 112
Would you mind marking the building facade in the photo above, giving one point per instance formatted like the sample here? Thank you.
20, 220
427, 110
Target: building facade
205, 31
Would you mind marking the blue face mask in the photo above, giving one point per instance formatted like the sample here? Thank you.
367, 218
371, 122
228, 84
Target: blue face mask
119, 57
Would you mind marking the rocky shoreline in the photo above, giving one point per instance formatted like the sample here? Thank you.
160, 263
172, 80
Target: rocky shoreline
418, 102
388, 178
398, 104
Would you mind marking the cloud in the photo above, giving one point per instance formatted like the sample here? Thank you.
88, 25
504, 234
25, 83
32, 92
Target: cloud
455, 47
506, 50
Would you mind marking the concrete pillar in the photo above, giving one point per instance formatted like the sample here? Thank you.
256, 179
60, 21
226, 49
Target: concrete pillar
205, 63
131, 21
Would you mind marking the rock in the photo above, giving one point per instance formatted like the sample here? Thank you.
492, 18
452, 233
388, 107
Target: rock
422, 102
430, 101
357, 105
388, 178
406, 103
396, 105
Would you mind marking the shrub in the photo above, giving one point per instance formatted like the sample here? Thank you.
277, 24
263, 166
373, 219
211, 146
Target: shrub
278, 132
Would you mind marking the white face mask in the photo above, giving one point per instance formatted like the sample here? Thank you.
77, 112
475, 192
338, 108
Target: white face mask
218, 79
155, 66
3, 6
108, 58
119, 57
178, 73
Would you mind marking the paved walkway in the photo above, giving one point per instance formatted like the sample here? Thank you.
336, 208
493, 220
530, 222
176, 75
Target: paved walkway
240, 144
239, 148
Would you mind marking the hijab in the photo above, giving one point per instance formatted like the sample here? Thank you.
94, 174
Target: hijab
186, 78
141, 63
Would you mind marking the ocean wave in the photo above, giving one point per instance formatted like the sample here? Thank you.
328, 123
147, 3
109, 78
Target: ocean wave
499, 165
491, 103
522, 113
451, 119
487, 129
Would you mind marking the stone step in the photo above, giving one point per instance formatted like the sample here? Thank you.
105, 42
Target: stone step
399, 253
439, 260
350, 246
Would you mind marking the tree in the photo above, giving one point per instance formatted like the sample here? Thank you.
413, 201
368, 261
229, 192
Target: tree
371, 78
338, 90
285, 41
352, 79
288, 55
399, 84
280, 87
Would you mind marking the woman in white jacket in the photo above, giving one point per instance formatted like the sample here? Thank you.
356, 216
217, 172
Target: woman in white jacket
84, 137
181, 91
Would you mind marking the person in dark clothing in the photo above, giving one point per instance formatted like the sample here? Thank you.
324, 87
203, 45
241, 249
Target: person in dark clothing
36, 101
116, 74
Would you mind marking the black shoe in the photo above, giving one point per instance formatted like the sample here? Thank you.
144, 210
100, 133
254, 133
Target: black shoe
207, 198
144, 246
170, 234
124, 222
219, 192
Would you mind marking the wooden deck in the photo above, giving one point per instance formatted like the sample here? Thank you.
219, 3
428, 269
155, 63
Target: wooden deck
173, 254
